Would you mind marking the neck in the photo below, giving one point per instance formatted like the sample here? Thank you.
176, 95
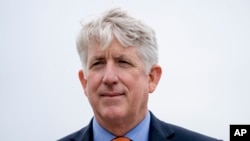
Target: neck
121, 126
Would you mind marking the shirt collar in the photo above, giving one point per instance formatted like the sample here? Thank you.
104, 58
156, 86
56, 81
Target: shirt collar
139, 132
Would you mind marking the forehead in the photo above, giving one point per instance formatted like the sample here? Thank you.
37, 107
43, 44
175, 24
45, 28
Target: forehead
115, 49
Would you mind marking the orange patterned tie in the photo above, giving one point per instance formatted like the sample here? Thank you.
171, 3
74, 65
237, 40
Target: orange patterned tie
121, 139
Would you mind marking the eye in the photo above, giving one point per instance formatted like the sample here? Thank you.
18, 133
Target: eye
97, 63
124, 63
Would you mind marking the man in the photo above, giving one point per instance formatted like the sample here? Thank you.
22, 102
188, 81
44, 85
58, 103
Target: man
119, 58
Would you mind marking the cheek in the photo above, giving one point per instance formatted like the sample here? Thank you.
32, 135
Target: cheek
138, 85
139, 97
141, 81
92, 85
93, 81
134, 77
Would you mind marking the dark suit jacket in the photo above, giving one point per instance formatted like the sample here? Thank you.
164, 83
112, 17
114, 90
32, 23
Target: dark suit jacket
159, 131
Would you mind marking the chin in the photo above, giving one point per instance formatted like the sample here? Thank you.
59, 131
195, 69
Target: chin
113, 113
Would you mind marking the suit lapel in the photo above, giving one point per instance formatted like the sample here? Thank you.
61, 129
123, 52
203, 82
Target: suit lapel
86, 133
159, 131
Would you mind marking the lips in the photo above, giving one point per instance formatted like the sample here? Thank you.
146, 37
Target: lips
111, 94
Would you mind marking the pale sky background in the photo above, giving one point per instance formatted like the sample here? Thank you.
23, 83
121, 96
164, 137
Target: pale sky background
204, 51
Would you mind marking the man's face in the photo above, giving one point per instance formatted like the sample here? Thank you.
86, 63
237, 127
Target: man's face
116, 84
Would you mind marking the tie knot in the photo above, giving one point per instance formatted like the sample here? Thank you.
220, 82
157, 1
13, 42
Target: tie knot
121, 139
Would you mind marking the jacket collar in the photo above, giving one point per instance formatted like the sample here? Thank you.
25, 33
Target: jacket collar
86, 133
159, 130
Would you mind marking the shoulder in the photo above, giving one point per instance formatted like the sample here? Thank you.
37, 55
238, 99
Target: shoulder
174, 132
82, 134
74, 136
188, 135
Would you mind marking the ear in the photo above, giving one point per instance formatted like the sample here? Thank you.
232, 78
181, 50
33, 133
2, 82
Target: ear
82, 79
154, 77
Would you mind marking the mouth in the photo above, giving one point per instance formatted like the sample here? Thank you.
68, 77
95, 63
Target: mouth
111, 95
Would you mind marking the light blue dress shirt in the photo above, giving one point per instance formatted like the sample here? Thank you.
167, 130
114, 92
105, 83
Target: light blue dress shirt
139, 133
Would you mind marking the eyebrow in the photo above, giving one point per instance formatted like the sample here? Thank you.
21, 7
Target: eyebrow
116, 57
95, 58
122, 56
98, 57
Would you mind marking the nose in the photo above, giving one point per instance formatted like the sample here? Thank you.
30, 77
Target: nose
110, 76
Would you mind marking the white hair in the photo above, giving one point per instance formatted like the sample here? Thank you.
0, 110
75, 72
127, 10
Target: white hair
129, 32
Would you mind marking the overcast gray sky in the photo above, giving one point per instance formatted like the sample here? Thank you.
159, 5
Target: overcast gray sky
204, 51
